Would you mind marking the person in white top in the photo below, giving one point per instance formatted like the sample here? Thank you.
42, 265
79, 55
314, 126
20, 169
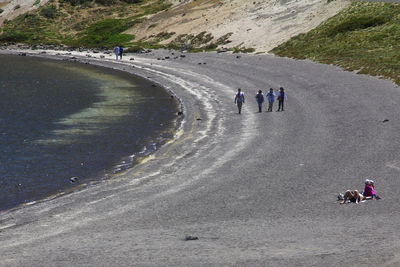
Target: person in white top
239, 100
116, 52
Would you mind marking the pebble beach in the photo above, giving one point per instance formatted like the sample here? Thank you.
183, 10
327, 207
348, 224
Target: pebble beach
256, 189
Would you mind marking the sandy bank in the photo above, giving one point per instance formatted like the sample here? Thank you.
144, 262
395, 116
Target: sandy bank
261, 25
256, 189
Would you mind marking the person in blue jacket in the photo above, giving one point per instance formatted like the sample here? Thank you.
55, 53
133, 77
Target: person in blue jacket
271, 98
260, 100
116, 52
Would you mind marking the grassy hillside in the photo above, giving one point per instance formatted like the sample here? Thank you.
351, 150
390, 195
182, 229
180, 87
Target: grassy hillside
100, 24
364, 37
88, 23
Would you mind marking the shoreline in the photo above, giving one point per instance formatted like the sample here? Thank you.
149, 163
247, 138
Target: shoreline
246, 185
55, 55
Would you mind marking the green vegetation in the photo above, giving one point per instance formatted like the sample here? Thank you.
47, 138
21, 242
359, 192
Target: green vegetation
242, 49
105, 33
156, 7
23, 29
197, 43
190, 42
80, 23
102, 2
49, 12
37, 2
102, 24
364, 37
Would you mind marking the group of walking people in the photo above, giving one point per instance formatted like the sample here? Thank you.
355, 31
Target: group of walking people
118, 51
271, 96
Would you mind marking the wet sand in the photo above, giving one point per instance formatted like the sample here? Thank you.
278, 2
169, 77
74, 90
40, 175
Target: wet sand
257, 189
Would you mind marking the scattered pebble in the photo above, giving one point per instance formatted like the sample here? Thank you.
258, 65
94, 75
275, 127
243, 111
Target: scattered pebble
385, 120
74, 180
191, 238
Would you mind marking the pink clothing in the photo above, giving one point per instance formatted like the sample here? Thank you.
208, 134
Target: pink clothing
369, 191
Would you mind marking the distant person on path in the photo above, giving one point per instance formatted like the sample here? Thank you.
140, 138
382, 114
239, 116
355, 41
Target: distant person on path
121, 51
116, 52
271, 99
260, 100
239, 100
281, 98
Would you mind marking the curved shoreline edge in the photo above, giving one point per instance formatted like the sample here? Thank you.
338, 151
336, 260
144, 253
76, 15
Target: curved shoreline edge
58, 55
257, 189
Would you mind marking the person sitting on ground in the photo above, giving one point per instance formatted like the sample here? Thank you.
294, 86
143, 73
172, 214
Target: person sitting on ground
353, 196
369, 192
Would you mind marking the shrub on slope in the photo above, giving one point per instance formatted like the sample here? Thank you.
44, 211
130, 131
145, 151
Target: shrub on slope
86, 23
363, 37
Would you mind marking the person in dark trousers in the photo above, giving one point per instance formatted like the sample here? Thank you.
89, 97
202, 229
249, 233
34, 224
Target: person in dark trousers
281, 98
271, 98
260, 100
239, 99
121, 51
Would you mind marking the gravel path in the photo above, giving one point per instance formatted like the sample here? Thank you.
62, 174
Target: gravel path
257, 189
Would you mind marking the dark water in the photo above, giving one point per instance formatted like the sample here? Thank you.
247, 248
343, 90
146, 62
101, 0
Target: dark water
60, 120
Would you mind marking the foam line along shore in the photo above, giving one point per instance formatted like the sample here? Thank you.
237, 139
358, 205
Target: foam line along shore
256, 188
